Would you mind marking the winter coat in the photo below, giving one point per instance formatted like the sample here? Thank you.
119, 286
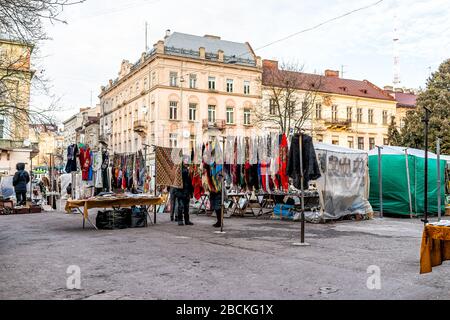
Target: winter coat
311, 169
21, 178
188, 189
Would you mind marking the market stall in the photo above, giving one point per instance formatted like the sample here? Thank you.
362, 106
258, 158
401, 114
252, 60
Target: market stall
112, 201
402, 181
343, 186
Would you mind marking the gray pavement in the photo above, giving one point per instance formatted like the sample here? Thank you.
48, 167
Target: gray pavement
255, 259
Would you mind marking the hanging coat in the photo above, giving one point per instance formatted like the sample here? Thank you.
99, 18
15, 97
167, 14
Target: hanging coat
310, 165
85, 162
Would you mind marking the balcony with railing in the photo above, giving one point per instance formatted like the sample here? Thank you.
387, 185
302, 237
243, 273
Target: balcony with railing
217, 124
338, 123
6, 144
140, 126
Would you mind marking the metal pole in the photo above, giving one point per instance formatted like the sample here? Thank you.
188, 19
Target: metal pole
302, 197
425, 200
31, 178
223, 185
409, 184
438, 166
380, 180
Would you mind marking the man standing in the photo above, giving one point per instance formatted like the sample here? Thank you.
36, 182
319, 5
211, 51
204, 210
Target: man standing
184, 196
20, 181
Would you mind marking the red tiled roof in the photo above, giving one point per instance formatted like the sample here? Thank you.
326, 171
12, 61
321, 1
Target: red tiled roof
405, 99
335, 85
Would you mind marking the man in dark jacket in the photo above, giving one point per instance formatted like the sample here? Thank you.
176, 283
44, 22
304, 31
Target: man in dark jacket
183, 197
20, 181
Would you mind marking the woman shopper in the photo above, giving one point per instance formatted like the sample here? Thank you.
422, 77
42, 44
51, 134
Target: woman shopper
20, 181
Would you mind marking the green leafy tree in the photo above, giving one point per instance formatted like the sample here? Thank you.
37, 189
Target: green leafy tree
436, 98
394, 138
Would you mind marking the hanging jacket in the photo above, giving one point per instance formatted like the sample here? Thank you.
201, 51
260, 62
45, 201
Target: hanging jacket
310, 165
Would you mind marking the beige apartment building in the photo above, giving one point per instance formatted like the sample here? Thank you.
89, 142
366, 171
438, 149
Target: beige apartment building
349, 113
15, 82
50, 141
186, 90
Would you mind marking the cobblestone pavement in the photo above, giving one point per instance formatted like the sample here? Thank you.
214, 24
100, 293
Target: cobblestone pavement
255, 259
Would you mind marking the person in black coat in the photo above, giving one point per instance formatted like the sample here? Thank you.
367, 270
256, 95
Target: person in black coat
20, 181
183, 197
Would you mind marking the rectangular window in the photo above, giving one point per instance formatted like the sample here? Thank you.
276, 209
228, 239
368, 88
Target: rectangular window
173, 142
272, 107
349, 114
211, 114
193, 81
386, 141
192, 111
351, 144
385, 117
319, 138
229, 85
318, 111
334, 113
173, 110
359, 115
246, 87
192, 142
335, 140
360, 143
211, 83
230, 115
370, 116
371, 143
247, 119
145, 84
173, 79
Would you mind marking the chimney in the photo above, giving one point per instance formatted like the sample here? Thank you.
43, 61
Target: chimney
389, 88
202, 51
160, 47
220, 54
270, 64
209, 36
331, 73
167, 34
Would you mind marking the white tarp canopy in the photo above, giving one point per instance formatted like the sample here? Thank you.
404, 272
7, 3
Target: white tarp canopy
386, 150
344, 181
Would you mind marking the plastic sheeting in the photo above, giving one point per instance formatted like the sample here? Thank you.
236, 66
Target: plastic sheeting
343, 183
396, 194
7, 188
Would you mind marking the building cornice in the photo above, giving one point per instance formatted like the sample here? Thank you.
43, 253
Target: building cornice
177, 58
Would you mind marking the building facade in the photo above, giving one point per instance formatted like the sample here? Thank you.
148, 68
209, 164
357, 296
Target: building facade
50, 141
187, 90
349, 113
15, 82
406, 102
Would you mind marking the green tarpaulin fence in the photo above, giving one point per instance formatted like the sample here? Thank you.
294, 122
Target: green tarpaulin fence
395, 181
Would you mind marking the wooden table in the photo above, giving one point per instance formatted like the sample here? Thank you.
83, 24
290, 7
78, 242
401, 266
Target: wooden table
111, 202
435, 247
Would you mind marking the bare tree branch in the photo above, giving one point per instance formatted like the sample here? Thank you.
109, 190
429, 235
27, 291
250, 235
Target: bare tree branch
292, 96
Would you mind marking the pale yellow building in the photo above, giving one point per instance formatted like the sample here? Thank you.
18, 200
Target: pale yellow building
186, 90
349, 113
15, 82
50, 141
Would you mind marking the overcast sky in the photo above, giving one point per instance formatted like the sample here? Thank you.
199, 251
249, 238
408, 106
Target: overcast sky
86, 52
